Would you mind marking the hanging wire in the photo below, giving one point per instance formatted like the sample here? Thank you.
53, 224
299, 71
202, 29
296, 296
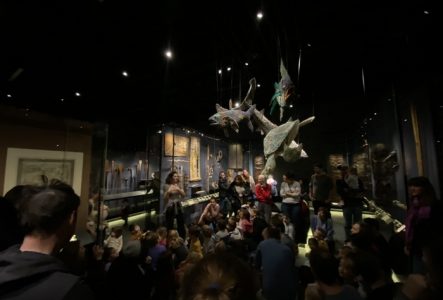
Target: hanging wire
239, 84
363, 81
298, 69
279, 55
217, 98
232, 80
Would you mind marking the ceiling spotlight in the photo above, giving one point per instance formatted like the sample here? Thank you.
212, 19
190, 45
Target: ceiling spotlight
9, 95
168, 54
125, 74
259, 15
309, 45
77, 94
426, 12
237, 104
62, 99
258, 85
405, 120
246, 64
219, 71
291, 106
228, 69
375, 114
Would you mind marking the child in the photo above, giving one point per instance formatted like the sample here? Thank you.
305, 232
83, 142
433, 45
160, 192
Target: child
210, 214
320, 236
162, 233
245, 224
322, 221
115, 240
136, 232
195, 245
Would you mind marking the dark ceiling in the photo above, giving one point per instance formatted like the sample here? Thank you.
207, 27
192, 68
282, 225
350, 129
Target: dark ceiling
52, 49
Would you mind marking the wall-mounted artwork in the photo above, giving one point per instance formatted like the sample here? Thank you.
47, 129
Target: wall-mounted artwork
33, 171
29, 166
235, 156
181, 145
194, 160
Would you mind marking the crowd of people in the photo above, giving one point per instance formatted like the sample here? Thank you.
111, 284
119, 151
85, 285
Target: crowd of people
241, 246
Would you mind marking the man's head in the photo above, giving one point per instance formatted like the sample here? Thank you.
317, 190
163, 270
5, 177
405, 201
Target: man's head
53, 210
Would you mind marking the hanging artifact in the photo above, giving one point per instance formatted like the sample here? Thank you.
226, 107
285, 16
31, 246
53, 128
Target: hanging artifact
284, 91
279, 140
229, 118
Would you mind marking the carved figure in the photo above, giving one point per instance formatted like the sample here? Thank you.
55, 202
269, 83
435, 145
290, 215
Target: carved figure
229, 118
280, 142
284, 90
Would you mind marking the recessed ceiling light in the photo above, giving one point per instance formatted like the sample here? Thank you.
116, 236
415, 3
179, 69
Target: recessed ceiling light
219, 71
246, 64
259, 15
9, 95
426, 12
61, 99
168, 54
258, 85
228, 69
77, 94
125, 74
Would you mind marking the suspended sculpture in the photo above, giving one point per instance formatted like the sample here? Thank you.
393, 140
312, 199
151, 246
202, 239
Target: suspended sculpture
284, 90
278, 140
229, 118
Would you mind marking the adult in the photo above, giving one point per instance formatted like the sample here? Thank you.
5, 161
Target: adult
263, 193
350, 189
249, 180
320, 187
276, 262
210, 214
223, 194
31, 270
419, 226
291, 202
239, 193
173, 195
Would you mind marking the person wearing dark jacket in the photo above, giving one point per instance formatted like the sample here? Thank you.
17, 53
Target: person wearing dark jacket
223, 194
31, 270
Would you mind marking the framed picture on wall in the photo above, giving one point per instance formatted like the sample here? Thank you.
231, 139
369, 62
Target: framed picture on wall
194, 160
36, 171
181, 145
33, 166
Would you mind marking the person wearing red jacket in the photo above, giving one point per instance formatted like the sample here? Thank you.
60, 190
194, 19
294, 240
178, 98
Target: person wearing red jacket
264, 196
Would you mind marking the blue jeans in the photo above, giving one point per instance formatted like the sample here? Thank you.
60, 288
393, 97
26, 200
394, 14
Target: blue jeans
351, 214
292, 211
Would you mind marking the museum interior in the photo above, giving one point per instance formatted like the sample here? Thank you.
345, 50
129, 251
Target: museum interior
330, 115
